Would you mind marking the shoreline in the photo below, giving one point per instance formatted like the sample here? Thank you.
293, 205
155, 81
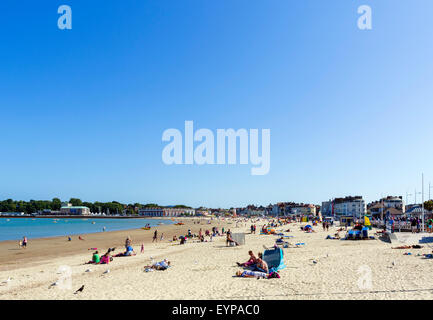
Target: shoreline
142, 218
90, 217
42, 249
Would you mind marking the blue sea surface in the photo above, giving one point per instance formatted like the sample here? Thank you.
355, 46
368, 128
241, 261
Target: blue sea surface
16, 228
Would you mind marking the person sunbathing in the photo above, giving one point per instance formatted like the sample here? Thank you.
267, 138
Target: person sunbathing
230, 240
415, 246
162, 265
261, 264
129, 252
252, 261
251, 274
280, 240
105, 259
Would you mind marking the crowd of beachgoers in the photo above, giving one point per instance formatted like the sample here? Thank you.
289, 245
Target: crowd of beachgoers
215, 251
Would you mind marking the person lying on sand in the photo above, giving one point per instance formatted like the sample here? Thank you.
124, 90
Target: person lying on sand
105, 259
162, 265
80, 238
129, 252
250, 262
251, 274
415, 246
335, 237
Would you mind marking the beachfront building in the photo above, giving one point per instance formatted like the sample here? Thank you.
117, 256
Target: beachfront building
166, 212
326, 208
303, 210
299, 209
278, 209
416, 212
347, 206
74, 211
389, 206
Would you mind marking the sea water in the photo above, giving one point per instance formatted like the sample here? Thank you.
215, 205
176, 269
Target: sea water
17, 228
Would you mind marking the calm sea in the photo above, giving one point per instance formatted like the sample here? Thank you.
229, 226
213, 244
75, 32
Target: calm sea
16, 228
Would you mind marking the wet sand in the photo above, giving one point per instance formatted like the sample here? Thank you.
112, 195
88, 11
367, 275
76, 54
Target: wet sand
45, 249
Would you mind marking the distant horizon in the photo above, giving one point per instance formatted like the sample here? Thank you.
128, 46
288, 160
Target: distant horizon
210, 207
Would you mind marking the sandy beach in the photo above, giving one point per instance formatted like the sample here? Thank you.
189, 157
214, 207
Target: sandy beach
320, 269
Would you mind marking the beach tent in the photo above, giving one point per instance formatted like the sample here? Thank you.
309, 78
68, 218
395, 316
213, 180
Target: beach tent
274, 259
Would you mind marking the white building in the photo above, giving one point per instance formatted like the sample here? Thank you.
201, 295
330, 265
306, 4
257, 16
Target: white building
349, 206
78, 210
394, 202
326, 208
166, 212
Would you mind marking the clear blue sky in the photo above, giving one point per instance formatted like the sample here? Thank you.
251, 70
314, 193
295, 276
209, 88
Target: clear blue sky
83, 110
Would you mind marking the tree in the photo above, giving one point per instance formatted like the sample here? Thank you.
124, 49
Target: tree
76, 202
428, 205
56, 204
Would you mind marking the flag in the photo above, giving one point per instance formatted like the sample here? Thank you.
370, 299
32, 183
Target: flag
366, 221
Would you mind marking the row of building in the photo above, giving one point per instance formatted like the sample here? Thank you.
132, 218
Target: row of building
353, 206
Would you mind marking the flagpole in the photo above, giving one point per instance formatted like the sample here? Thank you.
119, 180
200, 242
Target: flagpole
423, 230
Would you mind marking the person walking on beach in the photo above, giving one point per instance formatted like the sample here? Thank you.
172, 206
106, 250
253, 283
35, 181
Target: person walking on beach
155, 236
142, 248
413, 225
162, 237
24, 244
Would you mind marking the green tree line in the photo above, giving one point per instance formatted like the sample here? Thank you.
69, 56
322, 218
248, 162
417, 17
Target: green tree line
55, 204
